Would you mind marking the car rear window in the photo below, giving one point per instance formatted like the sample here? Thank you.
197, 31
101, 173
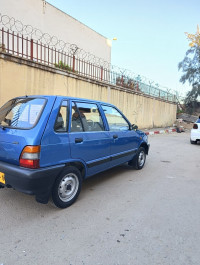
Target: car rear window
22, 113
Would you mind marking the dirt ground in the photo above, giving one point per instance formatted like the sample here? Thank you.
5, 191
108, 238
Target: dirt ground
184, 125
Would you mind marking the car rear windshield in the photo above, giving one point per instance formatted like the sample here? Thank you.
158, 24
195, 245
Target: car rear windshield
22, 113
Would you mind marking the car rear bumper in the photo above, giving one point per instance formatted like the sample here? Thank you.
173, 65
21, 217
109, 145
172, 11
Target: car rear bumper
37, 182
195, 135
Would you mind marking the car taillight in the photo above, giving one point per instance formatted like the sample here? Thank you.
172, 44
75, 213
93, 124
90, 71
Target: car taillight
195, 126
30, 157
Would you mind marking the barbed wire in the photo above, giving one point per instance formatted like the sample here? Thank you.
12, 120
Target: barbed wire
10, 23
52, 41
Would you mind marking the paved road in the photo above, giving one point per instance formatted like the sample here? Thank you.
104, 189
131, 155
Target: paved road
122, 216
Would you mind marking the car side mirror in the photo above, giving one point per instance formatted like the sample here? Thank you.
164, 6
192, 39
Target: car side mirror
134, 127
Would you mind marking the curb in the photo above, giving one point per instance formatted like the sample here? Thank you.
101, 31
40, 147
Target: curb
160, 132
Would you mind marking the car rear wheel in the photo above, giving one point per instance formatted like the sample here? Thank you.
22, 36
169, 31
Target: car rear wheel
193, 142
67, 187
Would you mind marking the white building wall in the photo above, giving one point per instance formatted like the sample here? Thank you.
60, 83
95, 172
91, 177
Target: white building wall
47, 18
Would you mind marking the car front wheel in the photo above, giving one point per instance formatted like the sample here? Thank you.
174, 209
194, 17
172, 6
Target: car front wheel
139, 160
193, 142
67, 187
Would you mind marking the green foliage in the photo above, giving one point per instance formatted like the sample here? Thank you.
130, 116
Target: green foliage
127, 82
63, 66
191, 102
190, 67
180, 111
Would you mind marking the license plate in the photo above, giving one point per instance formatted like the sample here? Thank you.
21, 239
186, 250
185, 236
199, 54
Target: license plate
2, 178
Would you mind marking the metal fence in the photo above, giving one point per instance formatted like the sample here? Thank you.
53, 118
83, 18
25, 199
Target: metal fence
26, 47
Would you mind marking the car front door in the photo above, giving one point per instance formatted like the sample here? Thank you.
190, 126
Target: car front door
89, 141
124, 140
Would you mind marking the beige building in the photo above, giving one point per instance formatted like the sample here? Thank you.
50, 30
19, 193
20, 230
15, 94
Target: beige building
29, 68
48, 19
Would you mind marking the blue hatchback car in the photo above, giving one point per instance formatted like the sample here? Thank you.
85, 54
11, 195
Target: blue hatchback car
50, 144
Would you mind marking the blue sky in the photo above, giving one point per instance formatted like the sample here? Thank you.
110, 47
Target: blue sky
150, 34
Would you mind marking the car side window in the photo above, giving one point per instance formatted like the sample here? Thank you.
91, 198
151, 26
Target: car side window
89, 116
76, 124
115, 120
61, 120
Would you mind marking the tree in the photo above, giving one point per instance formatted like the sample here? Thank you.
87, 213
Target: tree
194, 38
190, 67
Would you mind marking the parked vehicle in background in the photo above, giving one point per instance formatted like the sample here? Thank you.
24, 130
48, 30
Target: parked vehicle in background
50, 144
195, 132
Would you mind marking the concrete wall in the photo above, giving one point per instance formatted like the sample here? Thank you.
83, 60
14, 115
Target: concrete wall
47, 18
20, 77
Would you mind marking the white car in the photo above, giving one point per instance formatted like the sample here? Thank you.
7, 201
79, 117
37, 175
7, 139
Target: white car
195, 132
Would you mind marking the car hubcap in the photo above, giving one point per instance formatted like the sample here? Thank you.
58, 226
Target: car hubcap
141, 158
68, 187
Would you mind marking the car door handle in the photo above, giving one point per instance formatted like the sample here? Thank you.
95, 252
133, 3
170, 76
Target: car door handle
115, 136
78, 140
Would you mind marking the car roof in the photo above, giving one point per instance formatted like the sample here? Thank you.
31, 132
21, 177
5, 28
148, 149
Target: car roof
66, 97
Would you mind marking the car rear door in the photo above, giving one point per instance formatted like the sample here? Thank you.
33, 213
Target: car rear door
89, 141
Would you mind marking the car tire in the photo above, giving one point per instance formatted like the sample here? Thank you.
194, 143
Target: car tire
67, 187
193, 142
139, 159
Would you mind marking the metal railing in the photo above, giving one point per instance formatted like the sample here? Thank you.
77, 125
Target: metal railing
26, 47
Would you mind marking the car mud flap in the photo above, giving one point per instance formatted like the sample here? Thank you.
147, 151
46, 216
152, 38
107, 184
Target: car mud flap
43, 198
132, 162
